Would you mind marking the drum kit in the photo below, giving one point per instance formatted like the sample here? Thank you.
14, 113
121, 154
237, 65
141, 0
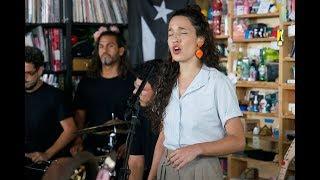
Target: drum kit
84, 165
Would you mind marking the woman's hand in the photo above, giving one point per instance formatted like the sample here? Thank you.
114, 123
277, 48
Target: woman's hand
182, 156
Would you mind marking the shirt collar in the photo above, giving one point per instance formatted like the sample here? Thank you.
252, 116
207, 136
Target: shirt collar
199, 81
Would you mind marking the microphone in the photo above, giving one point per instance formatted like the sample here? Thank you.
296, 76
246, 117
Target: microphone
133, 100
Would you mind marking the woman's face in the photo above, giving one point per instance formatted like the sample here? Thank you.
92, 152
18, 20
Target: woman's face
182, 39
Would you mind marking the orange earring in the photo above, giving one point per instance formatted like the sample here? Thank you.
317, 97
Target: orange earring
199, 53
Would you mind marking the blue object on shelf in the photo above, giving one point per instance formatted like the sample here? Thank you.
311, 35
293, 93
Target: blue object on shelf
243, 107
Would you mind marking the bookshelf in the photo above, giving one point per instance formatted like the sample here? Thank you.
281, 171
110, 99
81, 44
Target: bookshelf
221, 37
282, 117
257, 40
266, 15
265, 169
257, 84
258, 114
287, 90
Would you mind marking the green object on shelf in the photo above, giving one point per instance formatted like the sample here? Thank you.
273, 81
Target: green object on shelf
270, 55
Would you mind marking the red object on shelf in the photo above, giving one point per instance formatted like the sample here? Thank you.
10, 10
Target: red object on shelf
274, 32
217, 12
74, 39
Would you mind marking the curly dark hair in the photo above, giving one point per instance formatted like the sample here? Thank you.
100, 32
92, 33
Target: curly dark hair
171, 69
33, 55
95, 67
141, 72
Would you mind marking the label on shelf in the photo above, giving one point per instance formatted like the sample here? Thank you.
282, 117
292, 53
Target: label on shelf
291, 30
291, 81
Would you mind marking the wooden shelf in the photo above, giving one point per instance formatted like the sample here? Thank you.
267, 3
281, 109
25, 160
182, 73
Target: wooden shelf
224, 59
221, 37
223, 156
255, 40
289, 59
238, 164
81, 58
288, 86
267, 138
246, 159
288, 23
267, 15
289, 116
249, 113
48, 25
257, 84
287, 142
97, 24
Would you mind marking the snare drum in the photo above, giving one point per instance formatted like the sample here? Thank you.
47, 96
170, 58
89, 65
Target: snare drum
33, 170
82, 166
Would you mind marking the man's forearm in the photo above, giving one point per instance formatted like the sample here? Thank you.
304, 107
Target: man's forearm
79, 118
65, 137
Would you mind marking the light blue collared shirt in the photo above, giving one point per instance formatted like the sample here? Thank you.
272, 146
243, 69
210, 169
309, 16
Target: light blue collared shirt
200, 114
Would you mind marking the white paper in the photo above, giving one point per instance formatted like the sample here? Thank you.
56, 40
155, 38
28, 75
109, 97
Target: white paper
291, 30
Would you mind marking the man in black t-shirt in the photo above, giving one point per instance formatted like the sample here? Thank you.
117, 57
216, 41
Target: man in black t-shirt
147, 132
104, 92
49, 125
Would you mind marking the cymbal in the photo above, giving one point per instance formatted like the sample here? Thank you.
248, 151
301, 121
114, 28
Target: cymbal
113, 122
119, 131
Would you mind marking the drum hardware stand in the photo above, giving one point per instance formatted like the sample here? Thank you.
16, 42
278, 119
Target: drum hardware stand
133, 110
290, 154
110, 148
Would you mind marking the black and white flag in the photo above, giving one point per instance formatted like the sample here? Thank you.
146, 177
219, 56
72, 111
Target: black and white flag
148, 28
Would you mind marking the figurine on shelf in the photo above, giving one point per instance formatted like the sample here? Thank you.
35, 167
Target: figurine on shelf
255, 104
263, 106
253, 71
246, 7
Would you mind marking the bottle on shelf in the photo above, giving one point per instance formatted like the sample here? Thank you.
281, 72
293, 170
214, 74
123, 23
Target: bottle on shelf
245, 69
262, 67
239, 68
240, 53
255, 104
253, 71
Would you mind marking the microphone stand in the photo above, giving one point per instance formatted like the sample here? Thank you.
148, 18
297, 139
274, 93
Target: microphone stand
133, 110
